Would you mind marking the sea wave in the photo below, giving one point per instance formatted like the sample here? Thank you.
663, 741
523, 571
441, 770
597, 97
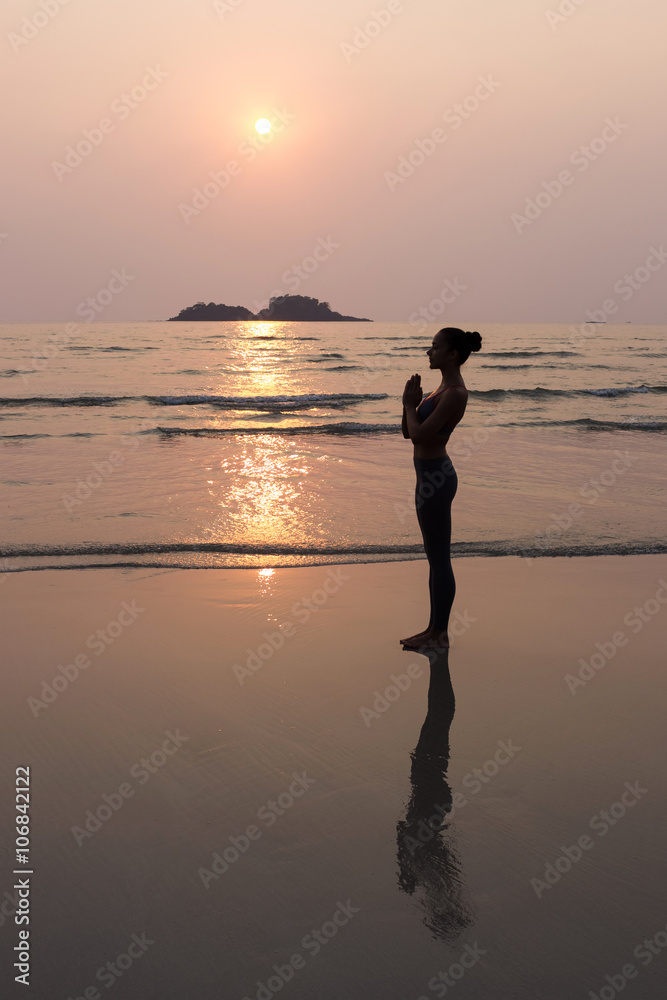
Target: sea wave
246, 548
10, 401
214, 555
531, 354
345, 428
588, 423
116, 347
263, 403
356, 429
110, 348
539, 392
305, 401
253, 340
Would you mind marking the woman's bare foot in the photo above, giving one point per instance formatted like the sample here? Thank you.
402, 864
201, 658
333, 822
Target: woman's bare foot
428, 640
417, 635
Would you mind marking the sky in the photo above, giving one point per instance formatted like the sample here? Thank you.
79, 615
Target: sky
476, 159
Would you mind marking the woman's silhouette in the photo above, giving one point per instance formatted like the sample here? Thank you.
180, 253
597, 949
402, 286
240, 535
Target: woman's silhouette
427, 863
428, 423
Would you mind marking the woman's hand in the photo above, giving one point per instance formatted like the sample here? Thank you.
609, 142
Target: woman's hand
412, 394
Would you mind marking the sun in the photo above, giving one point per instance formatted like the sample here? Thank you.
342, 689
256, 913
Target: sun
263, 126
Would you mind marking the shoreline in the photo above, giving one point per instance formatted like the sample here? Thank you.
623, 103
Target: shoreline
226, 759
270, 561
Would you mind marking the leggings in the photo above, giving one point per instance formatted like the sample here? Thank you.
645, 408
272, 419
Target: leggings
435, 490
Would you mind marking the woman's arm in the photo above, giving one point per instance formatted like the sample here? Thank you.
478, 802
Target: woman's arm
449, 408
412, 397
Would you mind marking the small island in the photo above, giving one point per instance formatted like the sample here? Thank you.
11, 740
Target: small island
211, 312
281, 308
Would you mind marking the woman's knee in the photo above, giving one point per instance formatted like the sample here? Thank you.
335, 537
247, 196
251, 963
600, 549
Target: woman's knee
440, 560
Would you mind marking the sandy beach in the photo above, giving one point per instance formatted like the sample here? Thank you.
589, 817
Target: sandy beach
225, 805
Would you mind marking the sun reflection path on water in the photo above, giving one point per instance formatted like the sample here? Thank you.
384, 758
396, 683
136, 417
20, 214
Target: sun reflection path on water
264, 578
265, 498
270, 490
263, 353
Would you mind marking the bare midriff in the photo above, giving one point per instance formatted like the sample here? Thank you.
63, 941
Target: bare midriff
431, 449
435, 447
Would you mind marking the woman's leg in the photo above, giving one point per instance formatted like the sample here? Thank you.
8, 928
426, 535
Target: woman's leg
436, 488
419, 501
418, 506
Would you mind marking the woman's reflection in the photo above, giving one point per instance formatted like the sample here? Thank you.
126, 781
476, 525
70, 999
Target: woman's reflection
427, 863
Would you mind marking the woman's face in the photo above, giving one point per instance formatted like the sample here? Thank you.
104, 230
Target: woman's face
438, 353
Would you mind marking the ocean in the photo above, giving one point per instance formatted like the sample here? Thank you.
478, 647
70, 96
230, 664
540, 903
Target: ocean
263, 444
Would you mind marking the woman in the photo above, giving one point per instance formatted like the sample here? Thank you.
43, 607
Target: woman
428, 423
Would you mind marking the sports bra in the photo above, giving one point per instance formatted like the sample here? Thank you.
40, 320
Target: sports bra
427, 406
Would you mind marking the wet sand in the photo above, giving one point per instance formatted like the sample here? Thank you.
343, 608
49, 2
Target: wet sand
237, 788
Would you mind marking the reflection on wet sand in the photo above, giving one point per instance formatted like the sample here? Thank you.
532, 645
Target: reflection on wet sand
428, 866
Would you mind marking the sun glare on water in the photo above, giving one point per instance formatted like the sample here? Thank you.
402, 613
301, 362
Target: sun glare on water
263, 126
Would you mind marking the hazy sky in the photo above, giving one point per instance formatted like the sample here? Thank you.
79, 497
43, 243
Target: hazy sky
354, 86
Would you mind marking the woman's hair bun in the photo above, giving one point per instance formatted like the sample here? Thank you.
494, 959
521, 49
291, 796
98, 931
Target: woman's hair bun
461, 341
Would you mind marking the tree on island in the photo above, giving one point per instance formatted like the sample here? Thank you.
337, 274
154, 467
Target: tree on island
213, 312
285, 308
